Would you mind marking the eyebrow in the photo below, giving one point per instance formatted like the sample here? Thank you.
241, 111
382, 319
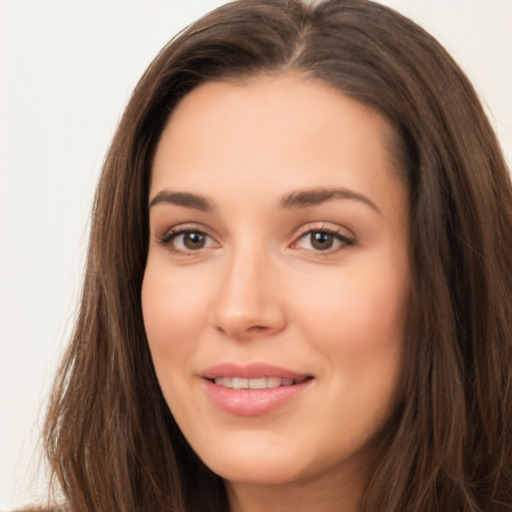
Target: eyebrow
185, 199
313, 197
296, 199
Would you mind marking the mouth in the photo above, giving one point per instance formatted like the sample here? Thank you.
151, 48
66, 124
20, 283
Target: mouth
253, 390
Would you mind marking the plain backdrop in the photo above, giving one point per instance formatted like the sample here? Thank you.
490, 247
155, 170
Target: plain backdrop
66, 71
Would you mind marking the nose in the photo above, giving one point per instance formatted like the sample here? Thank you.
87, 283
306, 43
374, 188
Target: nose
249, 303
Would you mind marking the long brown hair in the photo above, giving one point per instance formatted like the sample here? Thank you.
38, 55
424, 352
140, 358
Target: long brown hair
111, 439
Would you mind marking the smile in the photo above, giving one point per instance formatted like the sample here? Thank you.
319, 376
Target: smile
254, 383
253, 390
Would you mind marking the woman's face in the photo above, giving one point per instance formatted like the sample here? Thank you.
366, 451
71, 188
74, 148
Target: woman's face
277, 284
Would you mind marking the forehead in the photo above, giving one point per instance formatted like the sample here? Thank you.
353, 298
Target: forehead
245, 103
272, 128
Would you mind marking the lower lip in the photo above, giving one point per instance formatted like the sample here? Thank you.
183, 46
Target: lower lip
252, 402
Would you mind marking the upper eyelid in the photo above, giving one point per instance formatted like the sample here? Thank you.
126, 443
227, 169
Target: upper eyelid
187, 227
325, 226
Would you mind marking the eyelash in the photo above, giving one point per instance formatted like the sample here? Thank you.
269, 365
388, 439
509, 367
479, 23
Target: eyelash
169, 236
345, 241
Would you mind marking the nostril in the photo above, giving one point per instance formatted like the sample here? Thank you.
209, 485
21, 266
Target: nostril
257, 328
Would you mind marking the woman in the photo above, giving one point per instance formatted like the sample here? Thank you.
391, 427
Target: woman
297, 294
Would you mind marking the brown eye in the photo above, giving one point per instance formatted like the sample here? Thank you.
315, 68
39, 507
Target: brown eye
194, 241
321, 241
187, 242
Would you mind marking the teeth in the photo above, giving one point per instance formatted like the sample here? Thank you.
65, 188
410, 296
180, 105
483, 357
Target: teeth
239, 383
258, 383
273, 382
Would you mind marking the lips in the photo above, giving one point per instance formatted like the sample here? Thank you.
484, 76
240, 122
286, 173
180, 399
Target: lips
252, 390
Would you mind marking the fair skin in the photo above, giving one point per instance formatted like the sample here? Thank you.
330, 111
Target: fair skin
278, 256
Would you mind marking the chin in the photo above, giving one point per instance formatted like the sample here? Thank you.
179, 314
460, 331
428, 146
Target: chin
264, 460
259, 472
255, 461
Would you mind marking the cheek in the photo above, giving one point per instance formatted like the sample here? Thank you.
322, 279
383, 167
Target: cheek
357, 318
360, 328
367, 308
174, 309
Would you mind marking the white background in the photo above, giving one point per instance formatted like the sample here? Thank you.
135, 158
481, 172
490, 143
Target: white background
66, 71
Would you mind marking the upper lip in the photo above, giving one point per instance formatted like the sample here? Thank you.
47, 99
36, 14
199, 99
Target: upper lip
251, 371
